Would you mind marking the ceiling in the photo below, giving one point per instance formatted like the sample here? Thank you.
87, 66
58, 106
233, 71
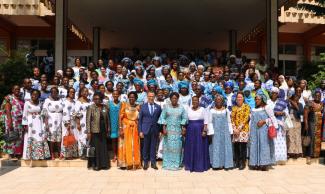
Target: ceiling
149, 24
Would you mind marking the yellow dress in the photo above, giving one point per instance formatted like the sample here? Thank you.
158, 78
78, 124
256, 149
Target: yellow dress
240, 120
129, 144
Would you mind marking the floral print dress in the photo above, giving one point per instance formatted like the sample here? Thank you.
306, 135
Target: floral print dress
37, 147
81, 111
52, 111
15, 146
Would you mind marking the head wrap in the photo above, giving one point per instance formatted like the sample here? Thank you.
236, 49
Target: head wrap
183, 84
150, 67
249, 99
229, 84
152, 82
261, 94
127, 60
192, 64
220, 91
156, 58
138, 81
275, 90
166, 87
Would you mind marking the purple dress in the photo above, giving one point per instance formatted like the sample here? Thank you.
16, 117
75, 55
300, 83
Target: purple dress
196, 149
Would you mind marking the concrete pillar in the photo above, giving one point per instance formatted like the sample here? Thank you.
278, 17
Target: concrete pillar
96, 44
61, 13
232, 41
272, 31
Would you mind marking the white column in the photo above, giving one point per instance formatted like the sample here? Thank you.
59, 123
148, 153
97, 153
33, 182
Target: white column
96, 44
232, 41
61, 8
272, 31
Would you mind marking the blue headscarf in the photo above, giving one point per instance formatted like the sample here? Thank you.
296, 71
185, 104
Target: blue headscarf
220, 91
229, 84
138, 81
183, 84
249, 99
261, 94
152, 82
166, 87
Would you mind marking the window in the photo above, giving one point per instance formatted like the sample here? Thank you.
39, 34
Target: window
45, 44
289, 49
288, 67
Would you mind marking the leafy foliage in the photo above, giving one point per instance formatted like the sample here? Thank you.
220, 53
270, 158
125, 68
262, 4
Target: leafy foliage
318, 9
314, 72
13, 71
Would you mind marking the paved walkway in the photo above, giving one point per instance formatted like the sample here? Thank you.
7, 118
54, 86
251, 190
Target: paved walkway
282, 179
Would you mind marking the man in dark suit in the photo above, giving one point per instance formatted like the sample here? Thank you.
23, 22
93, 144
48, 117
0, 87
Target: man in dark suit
149, 130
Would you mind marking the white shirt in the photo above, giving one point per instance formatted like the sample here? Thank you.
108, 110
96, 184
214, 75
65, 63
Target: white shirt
199, 114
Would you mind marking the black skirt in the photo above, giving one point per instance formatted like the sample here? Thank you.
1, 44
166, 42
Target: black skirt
99, 141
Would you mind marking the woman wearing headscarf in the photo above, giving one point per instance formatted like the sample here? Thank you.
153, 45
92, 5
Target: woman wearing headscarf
306, 94
240, 122
248, 97
313, 125
220, 130
261, 147
196, 148
173, 118
184, 96
283, 85
280, 109
141, 95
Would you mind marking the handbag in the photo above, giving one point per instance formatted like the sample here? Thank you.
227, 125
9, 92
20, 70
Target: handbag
306, 139
69, 139
88, 152
272, 131
288, 122
11, 136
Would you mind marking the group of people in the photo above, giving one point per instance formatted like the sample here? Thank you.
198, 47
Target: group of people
201, 114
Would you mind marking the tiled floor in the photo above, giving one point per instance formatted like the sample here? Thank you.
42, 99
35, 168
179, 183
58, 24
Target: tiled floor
282, 179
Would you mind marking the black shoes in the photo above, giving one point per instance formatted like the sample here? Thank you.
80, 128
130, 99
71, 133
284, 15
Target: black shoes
154, 166
145, 166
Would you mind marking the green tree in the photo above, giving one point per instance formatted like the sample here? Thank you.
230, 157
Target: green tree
318, 9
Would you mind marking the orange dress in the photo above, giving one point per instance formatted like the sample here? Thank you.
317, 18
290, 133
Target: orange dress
129, 144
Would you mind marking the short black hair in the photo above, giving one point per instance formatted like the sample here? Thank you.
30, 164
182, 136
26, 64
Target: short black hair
133, 93
174, 94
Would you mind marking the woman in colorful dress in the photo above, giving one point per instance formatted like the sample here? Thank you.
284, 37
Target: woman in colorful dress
313, 125
52, 113
173, 118
280, 109
12, 107
129, 142
240, 123
294, 134
80, 115
220, 130
114, 110
69, 125
261, 147
36, 147
196, 148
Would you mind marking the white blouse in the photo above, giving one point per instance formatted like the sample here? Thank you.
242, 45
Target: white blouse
199, 114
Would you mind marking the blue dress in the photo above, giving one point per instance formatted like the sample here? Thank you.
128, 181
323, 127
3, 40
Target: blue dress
172, 143
261, 146
221, 155
114, 111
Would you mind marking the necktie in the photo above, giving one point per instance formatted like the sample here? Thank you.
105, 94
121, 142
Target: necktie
151, 109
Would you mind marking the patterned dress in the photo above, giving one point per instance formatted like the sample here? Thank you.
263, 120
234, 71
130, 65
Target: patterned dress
52, 111
280, 144
129, 144
81, 111
240, 120
173, 118
261, 151
68, 120
221, 154
315, 127
16, 146
294, 134
36, 147
114, 111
